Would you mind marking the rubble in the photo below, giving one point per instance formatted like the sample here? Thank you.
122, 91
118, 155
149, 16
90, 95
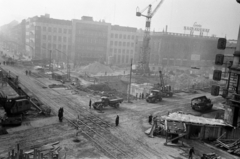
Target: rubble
95, 68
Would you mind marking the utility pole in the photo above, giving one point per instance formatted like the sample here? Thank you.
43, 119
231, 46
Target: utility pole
50, 62
130, 81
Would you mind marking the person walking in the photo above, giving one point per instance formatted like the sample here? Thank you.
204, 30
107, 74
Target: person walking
191, 152
26, 72
90, 104
150, 119
117, 120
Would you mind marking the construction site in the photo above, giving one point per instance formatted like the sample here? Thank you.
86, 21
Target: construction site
73, 109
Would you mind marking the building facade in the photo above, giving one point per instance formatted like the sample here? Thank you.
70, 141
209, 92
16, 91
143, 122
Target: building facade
173, 49
45, 35
90, 39
122, 45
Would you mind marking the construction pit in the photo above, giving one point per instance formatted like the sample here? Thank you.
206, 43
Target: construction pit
88, 133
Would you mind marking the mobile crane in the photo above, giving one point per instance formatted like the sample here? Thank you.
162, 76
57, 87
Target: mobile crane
143, 66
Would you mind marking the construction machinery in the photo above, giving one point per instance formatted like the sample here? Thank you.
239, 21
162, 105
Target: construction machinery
143, 66
15, 108
201, 104
105, 101
166, 90
154, 97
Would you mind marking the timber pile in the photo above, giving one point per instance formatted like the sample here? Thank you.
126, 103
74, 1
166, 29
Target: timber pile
48, 151
232, 146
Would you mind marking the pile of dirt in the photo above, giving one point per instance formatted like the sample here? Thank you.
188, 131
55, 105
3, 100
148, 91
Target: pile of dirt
95, 68
99, 87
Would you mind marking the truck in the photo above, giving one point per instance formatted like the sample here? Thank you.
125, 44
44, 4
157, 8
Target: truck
165, 89
105, 101
154, 97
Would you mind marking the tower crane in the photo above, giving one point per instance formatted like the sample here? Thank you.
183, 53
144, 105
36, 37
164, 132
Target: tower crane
143, 66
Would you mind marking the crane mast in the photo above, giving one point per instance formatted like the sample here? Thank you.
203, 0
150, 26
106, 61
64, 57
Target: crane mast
143, 66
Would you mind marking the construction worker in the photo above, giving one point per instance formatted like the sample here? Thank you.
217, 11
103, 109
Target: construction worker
191, 152
150, 119
60, 114
26, 72
117, 120
90, 104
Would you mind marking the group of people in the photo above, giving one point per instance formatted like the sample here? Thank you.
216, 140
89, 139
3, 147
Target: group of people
140, 96
28, 72
8, 62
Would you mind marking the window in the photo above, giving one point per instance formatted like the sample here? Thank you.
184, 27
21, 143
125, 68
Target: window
131, 51
132, 36
65, 39
49, 46
112, 35
60, 30
59, 47
123, 51
128, 43
69, 40
111, 43
44, 28
65, 31
60, 38
54, 46
124, 36
127, 51
132, 44
54, 38
69, 31
44, 37
116, 35
49, 37
54, 30
120, 43
120, 36
44, 45
119, 50
115, 50
49, 29
124, 43
115, 43
64, 47
111, 50
128, 36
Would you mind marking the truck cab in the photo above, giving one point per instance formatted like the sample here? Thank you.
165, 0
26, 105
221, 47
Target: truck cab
154, 97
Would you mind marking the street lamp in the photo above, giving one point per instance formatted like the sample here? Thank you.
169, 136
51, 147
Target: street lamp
68, 67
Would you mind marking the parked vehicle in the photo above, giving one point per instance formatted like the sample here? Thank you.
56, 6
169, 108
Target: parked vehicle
201, 104
105, 101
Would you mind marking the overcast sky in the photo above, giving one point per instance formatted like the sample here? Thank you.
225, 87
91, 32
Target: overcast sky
222, 17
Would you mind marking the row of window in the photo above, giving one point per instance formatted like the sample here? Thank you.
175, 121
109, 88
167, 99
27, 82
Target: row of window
54, 46
57, 30
54, 38
122, 36
119, 43
120, 51
120, 59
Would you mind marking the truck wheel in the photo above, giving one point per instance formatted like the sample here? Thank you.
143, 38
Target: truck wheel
117, 105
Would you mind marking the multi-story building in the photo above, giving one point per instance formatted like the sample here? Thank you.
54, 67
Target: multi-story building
122, 44
90, 39
45, 35
173, 49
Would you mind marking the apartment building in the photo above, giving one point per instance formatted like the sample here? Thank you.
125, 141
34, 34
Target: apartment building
45, 35
122, 45
90, 40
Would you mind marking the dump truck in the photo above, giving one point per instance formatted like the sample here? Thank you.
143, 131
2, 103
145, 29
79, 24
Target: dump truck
201, 104
105, 101
15, 109
154, 97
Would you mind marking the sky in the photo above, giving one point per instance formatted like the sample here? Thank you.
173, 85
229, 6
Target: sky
222, 17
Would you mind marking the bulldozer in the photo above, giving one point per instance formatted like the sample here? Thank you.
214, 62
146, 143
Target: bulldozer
15, 109
105, 101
